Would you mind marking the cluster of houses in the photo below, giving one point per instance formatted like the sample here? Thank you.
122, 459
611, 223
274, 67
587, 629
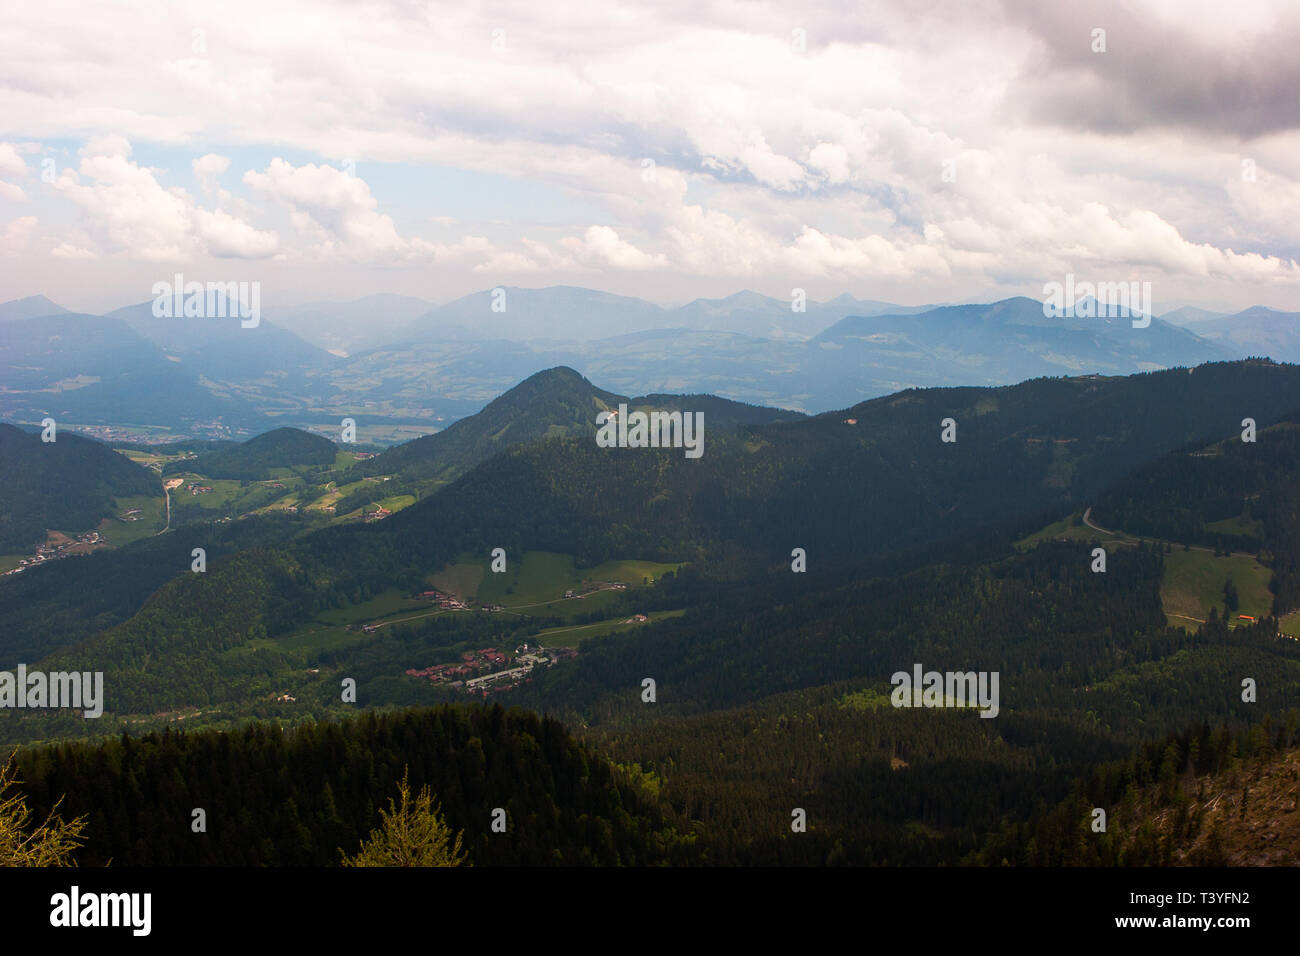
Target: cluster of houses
445, 601
112, 433
52, 551
197, 489
481, 672
379, 514
216, 428
449, 602
471, 663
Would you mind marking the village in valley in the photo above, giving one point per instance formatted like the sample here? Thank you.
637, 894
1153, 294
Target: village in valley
487, 669
482, 671
62, 546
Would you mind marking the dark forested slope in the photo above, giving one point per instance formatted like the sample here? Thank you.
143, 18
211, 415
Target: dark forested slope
68, 485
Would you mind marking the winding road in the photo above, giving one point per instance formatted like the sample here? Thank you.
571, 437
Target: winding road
1087, 519
167, 490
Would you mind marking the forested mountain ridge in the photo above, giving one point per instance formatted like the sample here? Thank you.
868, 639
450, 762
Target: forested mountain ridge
550, 403
867, 480
557, 401
773, 688
68, 485
253, 459
553, 403
62, 603
843, 492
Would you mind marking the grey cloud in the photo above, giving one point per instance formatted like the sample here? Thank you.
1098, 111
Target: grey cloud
1156, 72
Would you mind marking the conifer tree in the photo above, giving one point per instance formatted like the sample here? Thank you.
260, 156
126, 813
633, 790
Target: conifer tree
413, 834
50, 844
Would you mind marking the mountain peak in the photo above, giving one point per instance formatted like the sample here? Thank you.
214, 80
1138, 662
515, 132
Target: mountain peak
1261, 312
560, 373
561, 383
31, 307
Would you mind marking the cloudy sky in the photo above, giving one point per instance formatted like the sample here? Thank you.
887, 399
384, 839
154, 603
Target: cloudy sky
907, 151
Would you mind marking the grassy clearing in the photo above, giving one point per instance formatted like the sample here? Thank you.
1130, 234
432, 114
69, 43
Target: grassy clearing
868, 699
575, 635
325, 501
461, 579
233, 497
388, 502
631, 573
1238, 525
279, 504
545, 576
537, 576
1070, 528
872, 699
587, 604
344, 460
335, 495
152, 517
319, 639
305, 641
1193, 580
534, 585
380, 606
149, 458
1193, 583
224, 492
144, 458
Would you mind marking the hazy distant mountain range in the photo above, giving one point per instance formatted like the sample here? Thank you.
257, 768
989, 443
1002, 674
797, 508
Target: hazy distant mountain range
357, 324
94, 369
558, 314
29, 308
1256, 331
399, 359
565, 313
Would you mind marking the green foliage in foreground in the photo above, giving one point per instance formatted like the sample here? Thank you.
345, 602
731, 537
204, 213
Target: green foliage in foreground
278, 796
414, 834
49, 843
